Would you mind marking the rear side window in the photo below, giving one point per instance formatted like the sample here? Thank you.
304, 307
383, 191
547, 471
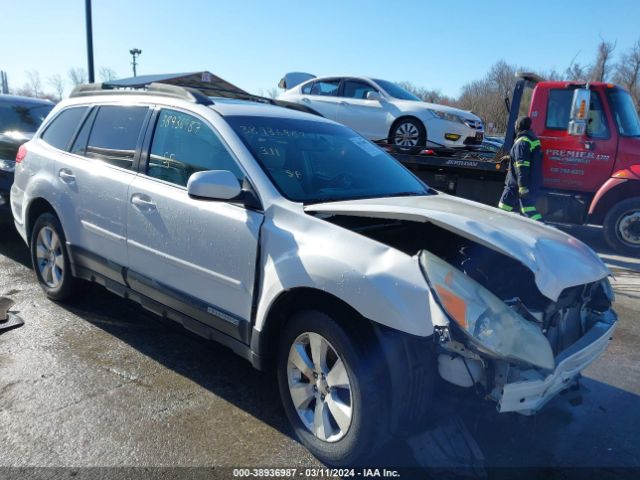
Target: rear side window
115, 133
559, 108
58, 134
325, 87
183, 145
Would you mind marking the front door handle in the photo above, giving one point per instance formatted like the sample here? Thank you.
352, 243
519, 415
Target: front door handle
305, 100
344, 104
143, 202
66, 176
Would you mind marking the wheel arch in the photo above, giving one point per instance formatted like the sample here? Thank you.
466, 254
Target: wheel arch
264, 342
37, 207
609, 194
407, 116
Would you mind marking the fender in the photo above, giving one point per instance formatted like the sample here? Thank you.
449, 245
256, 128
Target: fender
622, 185
395, 293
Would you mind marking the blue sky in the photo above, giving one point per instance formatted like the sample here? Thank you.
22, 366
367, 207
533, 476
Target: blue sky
435, 44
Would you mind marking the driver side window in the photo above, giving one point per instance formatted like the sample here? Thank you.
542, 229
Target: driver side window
183, 145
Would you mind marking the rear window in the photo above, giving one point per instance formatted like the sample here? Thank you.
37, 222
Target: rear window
114, 135
58, 134
22, 117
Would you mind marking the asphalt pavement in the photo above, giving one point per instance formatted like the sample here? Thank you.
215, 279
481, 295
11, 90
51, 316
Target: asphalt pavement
103, 383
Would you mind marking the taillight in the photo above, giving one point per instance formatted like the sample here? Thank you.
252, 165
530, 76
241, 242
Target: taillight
22, 152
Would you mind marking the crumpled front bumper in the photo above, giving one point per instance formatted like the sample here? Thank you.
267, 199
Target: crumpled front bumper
535, 390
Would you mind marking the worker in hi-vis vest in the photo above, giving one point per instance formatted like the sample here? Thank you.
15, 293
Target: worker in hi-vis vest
521, 183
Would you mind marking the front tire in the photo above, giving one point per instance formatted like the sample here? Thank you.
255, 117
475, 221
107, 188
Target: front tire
622, 226
50, 258
408, 135
335, 401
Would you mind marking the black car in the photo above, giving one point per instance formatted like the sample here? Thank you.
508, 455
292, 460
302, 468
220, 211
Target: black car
20, 117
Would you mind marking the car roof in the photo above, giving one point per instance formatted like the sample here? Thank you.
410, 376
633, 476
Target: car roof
21, 99
234, 107
223, 106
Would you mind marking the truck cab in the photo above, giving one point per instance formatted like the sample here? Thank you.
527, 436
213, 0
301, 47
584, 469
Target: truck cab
590, 173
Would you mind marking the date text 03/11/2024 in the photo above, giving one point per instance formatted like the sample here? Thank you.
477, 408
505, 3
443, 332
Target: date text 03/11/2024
314, 473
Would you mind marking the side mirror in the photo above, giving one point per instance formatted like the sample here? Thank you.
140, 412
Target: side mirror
374, 96
579, 117
214, 185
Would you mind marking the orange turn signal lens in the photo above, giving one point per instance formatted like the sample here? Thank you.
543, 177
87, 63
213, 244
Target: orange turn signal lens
454, 305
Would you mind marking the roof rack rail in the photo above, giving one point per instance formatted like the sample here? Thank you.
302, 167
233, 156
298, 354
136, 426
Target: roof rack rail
162, 89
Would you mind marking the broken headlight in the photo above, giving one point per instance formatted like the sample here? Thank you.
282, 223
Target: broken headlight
486, 320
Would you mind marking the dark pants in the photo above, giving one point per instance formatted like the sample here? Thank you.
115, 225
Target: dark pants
512, 202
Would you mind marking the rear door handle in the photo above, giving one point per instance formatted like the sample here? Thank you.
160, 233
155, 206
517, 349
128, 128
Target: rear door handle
305, 100
143, 202
344, 104
66, 176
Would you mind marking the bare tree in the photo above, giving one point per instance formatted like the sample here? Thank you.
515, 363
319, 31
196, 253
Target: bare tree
107, 74
601, 69
34, 85
58, 84
77, 76
269, 92
627, 72
427, 95
576, 72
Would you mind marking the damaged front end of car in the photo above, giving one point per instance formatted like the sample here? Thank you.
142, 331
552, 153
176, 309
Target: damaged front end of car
520, 355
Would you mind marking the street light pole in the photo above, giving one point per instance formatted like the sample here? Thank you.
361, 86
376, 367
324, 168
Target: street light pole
87, 10
134, 53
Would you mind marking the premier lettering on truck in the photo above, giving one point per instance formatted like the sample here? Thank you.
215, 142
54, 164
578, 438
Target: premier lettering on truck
590, 172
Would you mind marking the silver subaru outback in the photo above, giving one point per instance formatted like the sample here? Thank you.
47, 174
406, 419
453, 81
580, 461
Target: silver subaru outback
305, 248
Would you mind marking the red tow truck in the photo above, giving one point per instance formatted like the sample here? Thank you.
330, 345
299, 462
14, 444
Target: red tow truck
590, 136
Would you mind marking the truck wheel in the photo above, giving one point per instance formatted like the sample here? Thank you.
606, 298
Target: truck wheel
336, 405
50, 258
408, 135
622, 226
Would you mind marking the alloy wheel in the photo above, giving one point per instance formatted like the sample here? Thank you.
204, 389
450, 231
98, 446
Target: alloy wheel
406, 135
319, 387
50, 258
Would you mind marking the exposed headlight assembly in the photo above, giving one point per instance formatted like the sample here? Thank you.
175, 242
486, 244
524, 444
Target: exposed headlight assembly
486, 320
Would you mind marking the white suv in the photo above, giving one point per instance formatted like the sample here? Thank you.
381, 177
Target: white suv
383, 111
304, 247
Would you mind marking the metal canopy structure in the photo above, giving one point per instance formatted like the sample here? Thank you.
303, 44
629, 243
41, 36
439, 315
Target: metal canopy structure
208, 83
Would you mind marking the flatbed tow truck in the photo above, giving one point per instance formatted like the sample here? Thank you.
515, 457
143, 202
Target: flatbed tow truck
590, 137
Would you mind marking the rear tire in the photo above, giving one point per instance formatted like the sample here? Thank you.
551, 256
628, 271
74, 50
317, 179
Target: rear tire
622, 226
359, 425
50, 258
408, 135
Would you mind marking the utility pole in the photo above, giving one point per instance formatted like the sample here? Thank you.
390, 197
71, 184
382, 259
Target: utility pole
87, 10
4, 85
134, 53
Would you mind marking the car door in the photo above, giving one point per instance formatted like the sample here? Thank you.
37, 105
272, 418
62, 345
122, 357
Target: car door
322, 96
579, 163
95, 177
197, 256
367, 117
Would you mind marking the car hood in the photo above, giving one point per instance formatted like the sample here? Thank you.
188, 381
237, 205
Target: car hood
557, 260
409, 105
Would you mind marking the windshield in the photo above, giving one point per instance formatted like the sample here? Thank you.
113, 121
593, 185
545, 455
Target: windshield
396, 91
624, 113
313, 162
22, 116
